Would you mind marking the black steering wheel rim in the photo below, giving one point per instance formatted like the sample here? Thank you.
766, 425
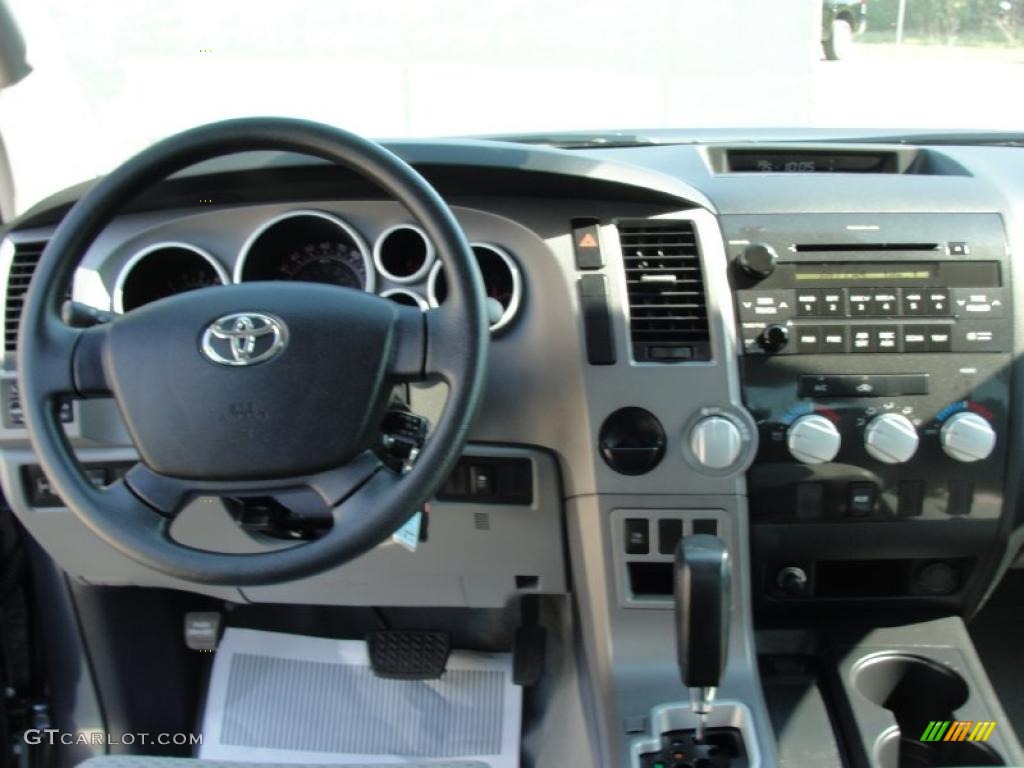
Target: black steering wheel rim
368, 500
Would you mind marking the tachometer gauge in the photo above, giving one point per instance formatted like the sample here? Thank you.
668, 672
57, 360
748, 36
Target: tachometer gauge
163, 270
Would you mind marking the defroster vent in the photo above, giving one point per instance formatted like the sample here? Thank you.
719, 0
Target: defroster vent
23, 265
667, 307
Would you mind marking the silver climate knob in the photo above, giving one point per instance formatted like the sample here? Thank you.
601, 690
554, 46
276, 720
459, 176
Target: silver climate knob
716, 442
967, 437
813, 439
891, 438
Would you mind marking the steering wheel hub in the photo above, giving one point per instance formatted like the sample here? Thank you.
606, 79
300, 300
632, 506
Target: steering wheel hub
263, 409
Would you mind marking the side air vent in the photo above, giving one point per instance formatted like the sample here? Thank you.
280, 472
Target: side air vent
668, 317
23, 265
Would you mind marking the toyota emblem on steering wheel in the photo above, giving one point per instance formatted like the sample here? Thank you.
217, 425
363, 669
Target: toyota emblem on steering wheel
244, 338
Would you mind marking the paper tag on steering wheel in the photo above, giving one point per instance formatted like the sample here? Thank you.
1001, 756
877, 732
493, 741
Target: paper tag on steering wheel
408, 535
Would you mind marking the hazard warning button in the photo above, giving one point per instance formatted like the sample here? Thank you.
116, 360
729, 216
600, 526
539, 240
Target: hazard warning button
586, 241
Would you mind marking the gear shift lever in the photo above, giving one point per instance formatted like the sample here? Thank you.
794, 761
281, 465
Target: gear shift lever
702, 584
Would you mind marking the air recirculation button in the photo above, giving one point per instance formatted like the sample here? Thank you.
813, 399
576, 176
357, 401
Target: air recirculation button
632, 441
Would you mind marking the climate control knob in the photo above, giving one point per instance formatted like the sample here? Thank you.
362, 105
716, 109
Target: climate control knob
967, 437
813, 439
716, 442
891, 438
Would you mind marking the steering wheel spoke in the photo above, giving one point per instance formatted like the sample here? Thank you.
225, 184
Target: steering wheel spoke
409, 356
169, 495
71, 361
445, 345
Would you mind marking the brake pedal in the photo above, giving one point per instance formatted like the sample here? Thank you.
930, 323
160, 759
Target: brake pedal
408, 654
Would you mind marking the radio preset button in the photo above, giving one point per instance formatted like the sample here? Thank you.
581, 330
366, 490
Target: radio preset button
860, 302
808, 303
884, 302
936, 301
832, 303
913, 302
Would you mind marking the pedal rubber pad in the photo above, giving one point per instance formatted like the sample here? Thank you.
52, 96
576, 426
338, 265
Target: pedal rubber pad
407, 654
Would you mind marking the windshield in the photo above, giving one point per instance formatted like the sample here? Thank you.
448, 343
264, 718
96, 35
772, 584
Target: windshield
109, 78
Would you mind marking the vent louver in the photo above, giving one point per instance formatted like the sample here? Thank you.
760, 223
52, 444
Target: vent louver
23, 265
667, 307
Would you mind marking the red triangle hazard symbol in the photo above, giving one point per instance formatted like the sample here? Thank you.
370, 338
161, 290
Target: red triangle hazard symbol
588, 241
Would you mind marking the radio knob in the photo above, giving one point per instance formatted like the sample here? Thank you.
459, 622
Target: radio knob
774, 338
716, 442
967, 437
813, 439
758, 260
891, 438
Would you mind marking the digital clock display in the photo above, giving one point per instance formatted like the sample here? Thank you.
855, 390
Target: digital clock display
777, 161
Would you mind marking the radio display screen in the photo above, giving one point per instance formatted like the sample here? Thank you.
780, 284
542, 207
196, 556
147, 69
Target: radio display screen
951, 274
876, 273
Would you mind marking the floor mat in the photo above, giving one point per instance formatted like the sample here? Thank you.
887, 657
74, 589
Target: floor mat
998, 634
276, 697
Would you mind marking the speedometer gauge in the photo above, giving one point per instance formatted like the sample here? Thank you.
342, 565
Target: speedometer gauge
328, 261
311, 246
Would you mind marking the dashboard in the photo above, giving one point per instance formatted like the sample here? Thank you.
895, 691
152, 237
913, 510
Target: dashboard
827, 348
809, 349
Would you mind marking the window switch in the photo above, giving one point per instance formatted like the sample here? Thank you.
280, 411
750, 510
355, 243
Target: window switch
638, 536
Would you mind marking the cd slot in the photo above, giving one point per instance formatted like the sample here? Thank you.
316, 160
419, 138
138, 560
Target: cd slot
864, 247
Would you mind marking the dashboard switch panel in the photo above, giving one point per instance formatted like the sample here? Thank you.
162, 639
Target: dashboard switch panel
597, 320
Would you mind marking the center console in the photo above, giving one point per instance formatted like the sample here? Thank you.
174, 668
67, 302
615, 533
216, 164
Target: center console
875, 354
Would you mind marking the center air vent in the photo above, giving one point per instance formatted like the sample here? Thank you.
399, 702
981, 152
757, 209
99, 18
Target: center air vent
23, 265
667, 309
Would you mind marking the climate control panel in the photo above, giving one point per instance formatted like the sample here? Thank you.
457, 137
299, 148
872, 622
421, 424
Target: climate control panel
851, 451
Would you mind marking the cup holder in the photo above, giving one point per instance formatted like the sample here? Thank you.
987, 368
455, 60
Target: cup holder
895, 751
917, 691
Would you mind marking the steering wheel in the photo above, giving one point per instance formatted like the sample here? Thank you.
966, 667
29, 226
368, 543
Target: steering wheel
256, 389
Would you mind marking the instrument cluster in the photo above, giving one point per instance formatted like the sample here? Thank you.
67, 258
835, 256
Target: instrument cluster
317, 246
